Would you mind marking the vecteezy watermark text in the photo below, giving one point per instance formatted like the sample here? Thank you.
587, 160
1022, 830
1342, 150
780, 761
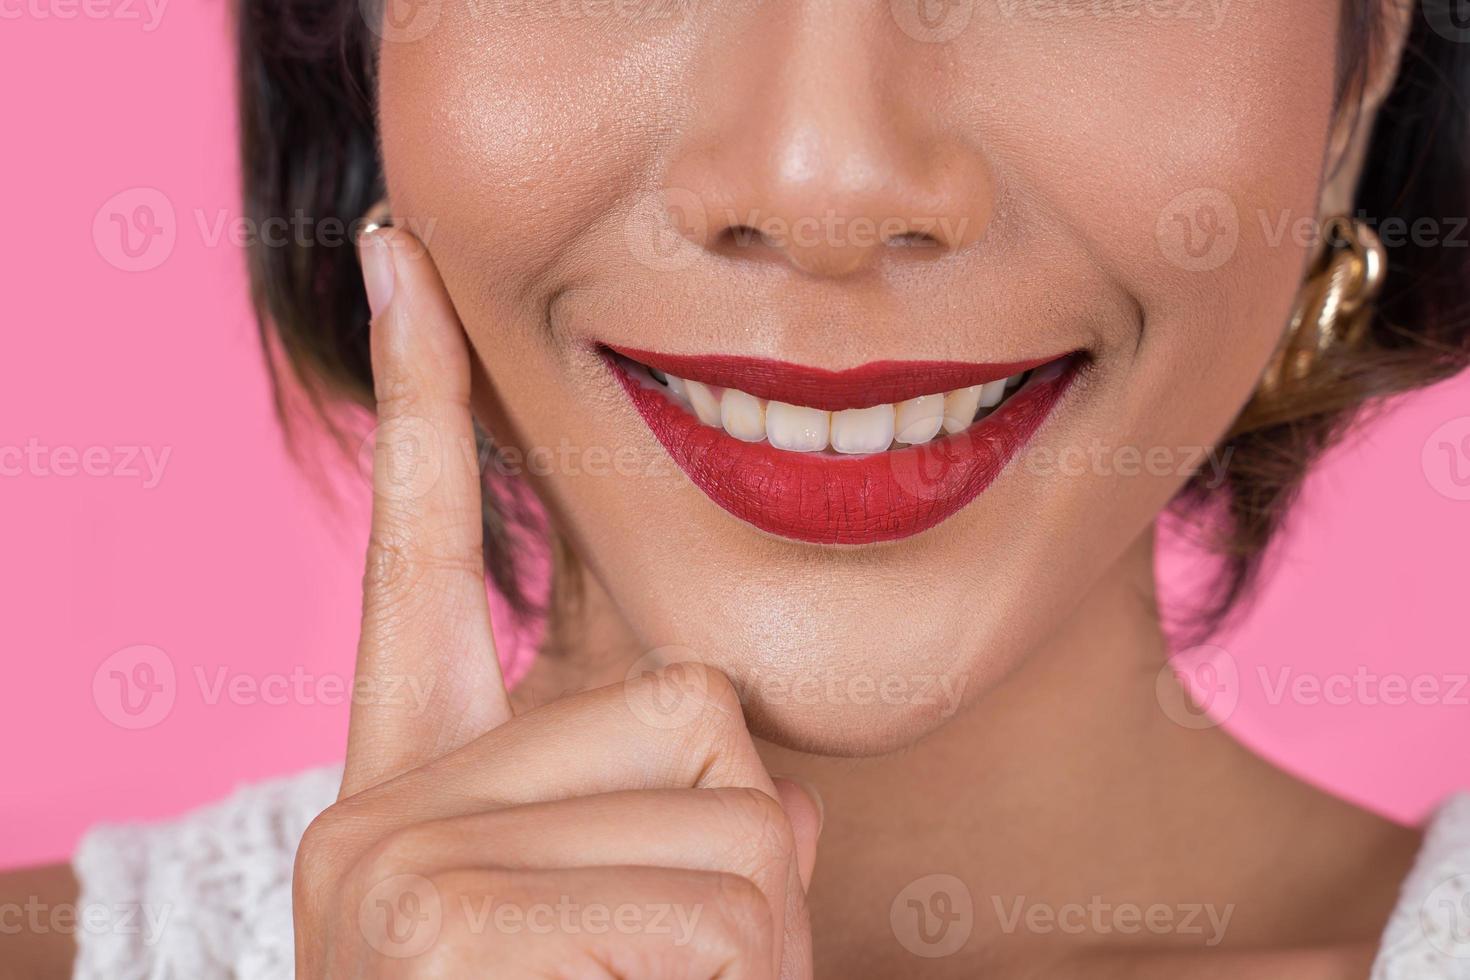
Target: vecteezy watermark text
36, 459
38, 917
1098, 917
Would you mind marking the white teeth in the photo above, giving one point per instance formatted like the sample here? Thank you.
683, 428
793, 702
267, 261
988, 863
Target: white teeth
918, 420
797, 429
960, 407
863, 430
705, 402
743, 416
992, 393
859, 431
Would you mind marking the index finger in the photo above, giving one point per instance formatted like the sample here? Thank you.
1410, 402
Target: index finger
426, 615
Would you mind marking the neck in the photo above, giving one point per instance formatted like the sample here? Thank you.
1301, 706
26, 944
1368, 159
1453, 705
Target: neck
1069, 782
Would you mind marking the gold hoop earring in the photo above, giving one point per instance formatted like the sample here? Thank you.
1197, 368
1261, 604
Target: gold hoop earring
1335, 307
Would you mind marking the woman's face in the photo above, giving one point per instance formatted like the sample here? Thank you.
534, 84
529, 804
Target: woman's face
978, 183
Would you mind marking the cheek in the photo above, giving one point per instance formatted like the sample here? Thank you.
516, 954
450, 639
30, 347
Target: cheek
1176, 169
508, 140
480, 160
518, 131
1181, 158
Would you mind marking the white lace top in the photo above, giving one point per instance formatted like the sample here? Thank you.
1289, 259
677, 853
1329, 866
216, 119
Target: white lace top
208, 897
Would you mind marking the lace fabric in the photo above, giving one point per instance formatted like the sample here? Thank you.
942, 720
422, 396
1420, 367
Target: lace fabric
208, 896
1428, 935
204, 897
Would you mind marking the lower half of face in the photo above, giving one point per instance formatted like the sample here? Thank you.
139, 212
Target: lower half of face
851, 347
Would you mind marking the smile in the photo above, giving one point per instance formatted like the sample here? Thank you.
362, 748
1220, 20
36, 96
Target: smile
876, 453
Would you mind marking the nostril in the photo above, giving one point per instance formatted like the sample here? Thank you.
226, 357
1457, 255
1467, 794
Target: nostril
913, 239
743, 236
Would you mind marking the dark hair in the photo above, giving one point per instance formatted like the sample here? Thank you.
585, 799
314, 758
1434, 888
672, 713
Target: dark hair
1417, 168
309, 148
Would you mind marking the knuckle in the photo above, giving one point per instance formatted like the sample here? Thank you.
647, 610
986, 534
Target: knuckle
467, 900
402, 922
319, 857
391, 565
698, 708
759, 823
720, 692
711, 695
400, 556
719, 720
404, 395
397, 392
386, 857
741, 917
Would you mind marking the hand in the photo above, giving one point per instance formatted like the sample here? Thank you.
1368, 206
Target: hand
595, 836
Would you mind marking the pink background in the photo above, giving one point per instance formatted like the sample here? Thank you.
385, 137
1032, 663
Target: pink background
234, 562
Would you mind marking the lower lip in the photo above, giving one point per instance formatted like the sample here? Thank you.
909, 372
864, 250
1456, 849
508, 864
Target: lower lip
822, 499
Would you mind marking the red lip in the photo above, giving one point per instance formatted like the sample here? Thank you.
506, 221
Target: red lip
825, 499
879, 383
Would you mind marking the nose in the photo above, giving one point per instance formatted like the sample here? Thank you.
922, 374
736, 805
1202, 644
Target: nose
813, 144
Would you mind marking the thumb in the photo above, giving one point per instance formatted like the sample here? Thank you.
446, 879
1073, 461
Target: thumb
803, 806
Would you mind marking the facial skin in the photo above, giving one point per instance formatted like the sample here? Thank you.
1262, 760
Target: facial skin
1059, 153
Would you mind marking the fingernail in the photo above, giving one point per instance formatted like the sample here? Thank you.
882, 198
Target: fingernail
377, 271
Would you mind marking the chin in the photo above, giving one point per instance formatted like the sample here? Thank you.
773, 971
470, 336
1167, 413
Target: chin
861, 679
855, 730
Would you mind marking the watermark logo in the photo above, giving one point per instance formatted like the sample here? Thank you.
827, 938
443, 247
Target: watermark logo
1449, 18
1100, 917
135, 687
135, 229
401, 916
931, 470
667, 688
148, 13
37, 460
933, 21
139, 687
663, 226
142, 923
1199, 230
407, 454
933, 916
400, 21
1445, 917
1199, 687
1209, 13
1446, 459
944, 693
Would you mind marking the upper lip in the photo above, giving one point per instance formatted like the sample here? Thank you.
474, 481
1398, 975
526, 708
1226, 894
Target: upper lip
876, 383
